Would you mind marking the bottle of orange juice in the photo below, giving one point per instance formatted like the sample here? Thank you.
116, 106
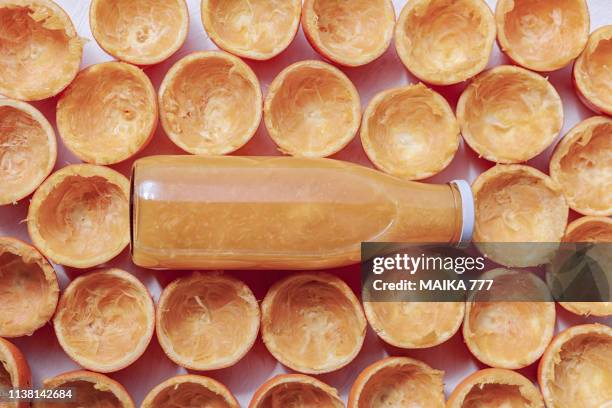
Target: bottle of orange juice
193, 212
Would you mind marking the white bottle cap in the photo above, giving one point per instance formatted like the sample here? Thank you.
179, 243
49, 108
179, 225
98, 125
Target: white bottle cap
468, 211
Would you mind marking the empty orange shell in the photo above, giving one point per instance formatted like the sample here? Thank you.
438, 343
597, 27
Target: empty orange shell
142, 33
105, 320
521, 205
207, 321
14, 372
210, 103
28, 150
295, 390
190, 391
576, 369
445, 42
582, 165
593, 230
312, 323
108, 114
88, 390
28, 289
410, 132
505, 333
415, 325
398, 382
592, 76
349, 33
257, 29
544, 35
509, 114
40, 51
312, 109
79, 216
494, 388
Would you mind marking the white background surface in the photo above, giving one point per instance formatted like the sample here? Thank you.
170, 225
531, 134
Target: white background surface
44, 353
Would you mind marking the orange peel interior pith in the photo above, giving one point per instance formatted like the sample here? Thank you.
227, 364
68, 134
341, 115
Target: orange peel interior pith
40, 49
445, 42
28, 150
108, 114
258, 29
14, 371
142, 33
312, 323
592, 75
510, 334
582, 165
518, 204
494, 388
105, 320
207, 321
210, 103
415, 325
576, 369
351, 33
190, 390
312, 109
509, 114
410, 132
545, 35
295, 390
29, 291
398, 382
79, 216
89, 389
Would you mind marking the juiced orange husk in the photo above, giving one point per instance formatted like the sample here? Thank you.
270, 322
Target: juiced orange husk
207, 321
494, 388
79, 216
592, 75
40, 50
257, 29
108, 114
410, 132
139, 32
296, 390
444, 42
509, 114
28, 150
105, 320
517, 206
292, 315
514, 329
88, 389
544, 35
398, 382
14, 372
210, 103
351, 33
29, 291
576, 369
582, 166
312, 109
190, 391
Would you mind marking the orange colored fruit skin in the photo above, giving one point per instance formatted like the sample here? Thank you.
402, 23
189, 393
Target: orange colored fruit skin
24, 375
601, 110
149, 335
285, 378
118, 389
308, 4
45, 265
179, 379
144, 144
552, 348
133, 61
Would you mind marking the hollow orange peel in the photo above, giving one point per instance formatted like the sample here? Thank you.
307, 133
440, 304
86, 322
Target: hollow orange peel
286, 389
14, 371
184, 390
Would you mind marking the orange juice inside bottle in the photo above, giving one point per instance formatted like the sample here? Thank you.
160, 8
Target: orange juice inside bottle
194, 212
